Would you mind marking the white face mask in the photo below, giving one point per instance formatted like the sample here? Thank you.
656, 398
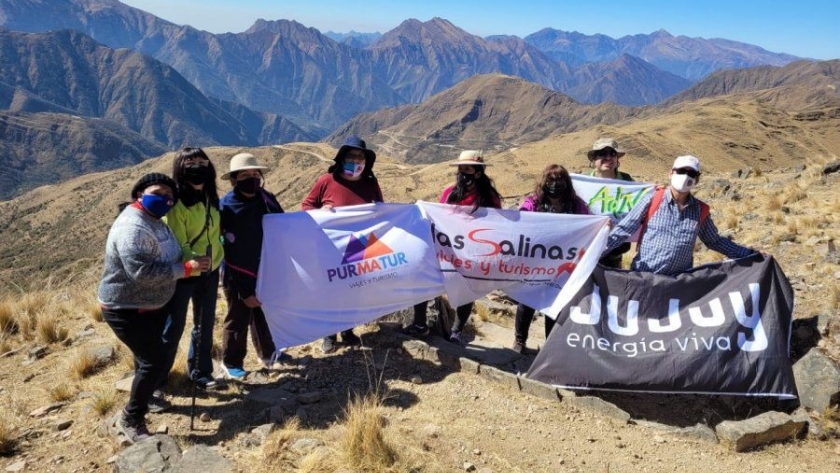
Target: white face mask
682, 183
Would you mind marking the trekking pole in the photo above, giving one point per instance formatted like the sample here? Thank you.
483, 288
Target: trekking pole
195, 357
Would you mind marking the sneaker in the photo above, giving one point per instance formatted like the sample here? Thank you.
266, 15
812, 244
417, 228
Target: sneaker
327, 345
416, 330
275, 363
133, 431
519, 346
206, 382
235, 373
158, 402
455, 337
350, 338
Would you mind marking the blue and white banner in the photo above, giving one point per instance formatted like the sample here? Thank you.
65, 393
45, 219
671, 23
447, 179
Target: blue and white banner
325, 271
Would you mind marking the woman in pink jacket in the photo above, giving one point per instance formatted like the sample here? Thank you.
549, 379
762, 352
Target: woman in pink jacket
553, 193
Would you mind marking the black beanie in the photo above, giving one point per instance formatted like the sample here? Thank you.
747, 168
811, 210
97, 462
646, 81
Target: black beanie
151, 179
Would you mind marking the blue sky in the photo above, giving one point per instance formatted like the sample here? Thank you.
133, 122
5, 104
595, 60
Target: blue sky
806, 28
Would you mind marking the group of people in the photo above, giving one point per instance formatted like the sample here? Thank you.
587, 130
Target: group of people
168, 244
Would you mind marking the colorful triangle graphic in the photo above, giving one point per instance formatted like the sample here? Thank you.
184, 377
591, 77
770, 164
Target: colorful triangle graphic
375, 247
361, 248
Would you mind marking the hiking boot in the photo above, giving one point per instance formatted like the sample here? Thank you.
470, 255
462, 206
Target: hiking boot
519, 346
327, 345
350, 338
235, 373
455, 337
415, 330
131, 430
158, 402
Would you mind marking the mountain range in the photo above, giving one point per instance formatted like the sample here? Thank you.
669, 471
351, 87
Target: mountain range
280, 81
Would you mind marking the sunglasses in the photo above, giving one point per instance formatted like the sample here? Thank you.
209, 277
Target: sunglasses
604, 153
689, 172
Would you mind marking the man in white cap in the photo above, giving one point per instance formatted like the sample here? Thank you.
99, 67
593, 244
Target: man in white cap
671, 219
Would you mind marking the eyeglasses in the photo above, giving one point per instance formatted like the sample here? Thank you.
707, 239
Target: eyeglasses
689, 172
606, 153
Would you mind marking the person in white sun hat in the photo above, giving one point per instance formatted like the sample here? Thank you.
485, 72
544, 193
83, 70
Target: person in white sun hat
671, 219
472, 188
242, 211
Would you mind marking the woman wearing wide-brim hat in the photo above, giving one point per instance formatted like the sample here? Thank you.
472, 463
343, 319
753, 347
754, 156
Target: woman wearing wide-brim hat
242, 211
473, 188
348, 181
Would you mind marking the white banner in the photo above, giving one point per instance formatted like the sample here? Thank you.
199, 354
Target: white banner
325, 271
609, 196
539, 259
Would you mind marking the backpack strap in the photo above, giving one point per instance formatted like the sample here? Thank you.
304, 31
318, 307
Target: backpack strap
704, 214
658, 194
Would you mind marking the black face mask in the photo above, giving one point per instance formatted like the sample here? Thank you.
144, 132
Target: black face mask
248, 186
554, 189
196, 174
465, 180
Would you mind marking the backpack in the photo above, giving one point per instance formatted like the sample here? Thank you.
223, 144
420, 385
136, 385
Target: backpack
658, 194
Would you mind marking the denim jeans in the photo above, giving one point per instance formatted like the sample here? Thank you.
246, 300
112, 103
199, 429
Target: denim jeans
202, 291
140, 331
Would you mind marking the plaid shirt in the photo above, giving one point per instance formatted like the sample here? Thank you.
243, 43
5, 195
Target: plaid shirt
668, 244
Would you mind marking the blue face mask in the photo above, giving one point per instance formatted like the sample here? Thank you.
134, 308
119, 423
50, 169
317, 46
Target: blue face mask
157, 205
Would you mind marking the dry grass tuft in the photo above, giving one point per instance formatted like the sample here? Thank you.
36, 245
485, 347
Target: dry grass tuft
775, 203
8, 441
49, 331
61, 392
834, 297
363, 446
276, 455
179, 379
5, 343
103, 400
795, 194
731, 222
94, 310
793, 226
8, 322
82, 364
831, 421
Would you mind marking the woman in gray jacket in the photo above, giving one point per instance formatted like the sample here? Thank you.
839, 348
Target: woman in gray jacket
142, 263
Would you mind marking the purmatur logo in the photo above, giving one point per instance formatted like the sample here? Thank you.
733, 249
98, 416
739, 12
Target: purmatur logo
366, 254
362, 248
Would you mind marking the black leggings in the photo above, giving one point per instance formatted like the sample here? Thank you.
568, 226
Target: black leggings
522, 322
142, 332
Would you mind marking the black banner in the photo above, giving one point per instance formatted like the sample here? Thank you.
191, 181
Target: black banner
722, 328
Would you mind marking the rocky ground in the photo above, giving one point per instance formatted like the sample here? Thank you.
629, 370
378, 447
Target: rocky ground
438, 414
